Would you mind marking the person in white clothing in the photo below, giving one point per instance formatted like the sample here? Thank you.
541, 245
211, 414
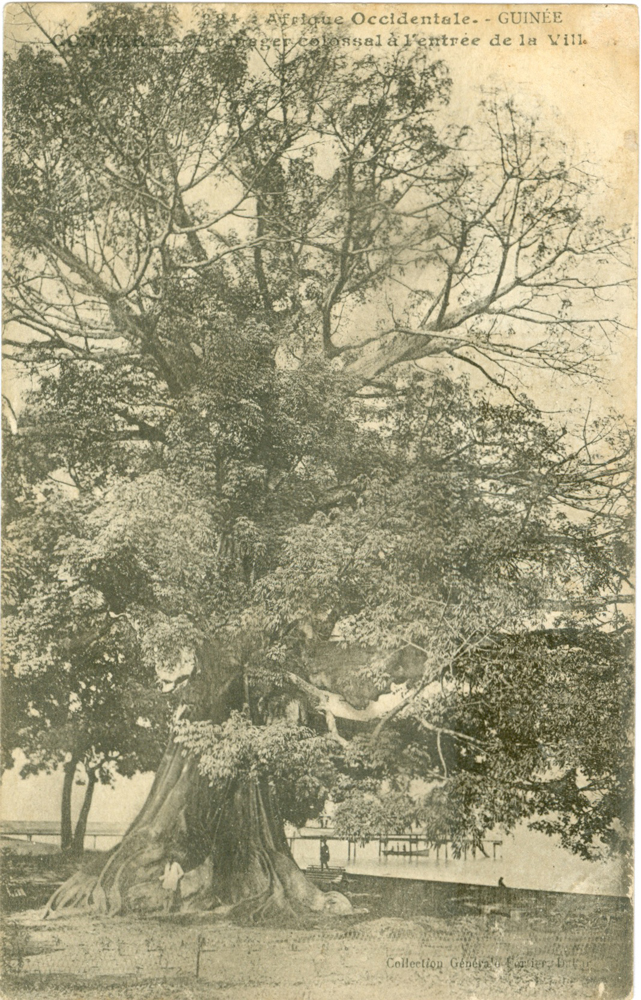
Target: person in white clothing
171, 884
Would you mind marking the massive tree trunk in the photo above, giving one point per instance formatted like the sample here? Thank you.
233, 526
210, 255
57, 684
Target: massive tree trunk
227, 839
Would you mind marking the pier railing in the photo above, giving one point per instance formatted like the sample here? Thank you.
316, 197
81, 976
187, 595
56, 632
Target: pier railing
28, 828
403, 845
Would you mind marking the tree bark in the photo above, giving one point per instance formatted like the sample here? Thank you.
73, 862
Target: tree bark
227, 838
66, 830
78, 845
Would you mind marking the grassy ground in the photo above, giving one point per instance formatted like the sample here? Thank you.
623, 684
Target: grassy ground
28, 877
409, 942
15, 845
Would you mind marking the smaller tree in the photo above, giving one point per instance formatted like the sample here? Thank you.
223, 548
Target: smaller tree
78, 692
94, 731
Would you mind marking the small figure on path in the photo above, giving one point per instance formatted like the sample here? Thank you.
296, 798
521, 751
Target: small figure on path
324, 854
171, 884
502, 884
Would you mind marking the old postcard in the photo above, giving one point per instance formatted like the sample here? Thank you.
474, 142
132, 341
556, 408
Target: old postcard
318, 409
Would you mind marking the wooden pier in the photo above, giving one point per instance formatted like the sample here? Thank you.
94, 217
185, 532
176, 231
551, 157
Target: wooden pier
403, 845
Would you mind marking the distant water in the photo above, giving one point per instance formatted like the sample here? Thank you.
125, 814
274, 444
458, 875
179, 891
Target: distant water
525, 860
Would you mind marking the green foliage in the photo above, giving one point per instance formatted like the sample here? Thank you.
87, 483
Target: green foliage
300, 766
363, 817
76, 684
544, 725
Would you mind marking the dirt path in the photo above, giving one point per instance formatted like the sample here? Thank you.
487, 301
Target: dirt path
477, 956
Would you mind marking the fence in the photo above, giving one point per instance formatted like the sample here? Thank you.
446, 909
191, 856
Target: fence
20, 829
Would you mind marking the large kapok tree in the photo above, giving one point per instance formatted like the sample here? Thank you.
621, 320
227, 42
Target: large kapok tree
345, 568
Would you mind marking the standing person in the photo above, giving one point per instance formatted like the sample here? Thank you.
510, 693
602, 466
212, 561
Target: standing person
171, 879
324, 854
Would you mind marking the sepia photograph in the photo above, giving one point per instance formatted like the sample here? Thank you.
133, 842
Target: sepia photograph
318, 424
